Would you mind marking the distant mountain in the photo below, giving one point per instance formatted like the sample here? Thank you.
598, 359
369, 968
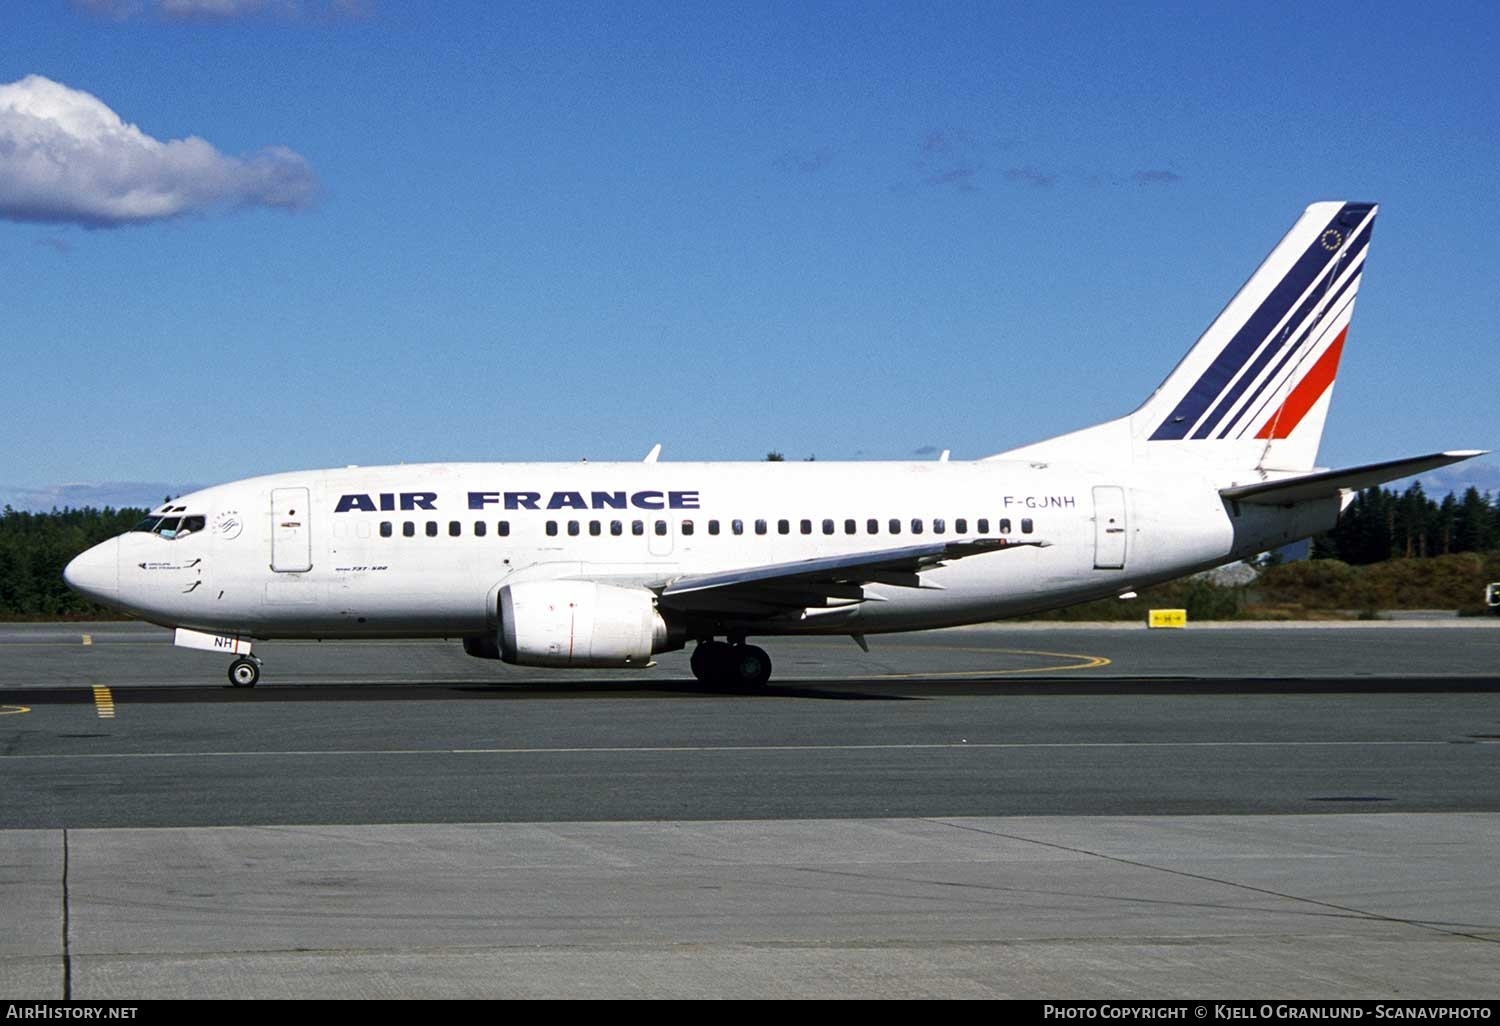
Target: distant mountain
1456, 478
117, 494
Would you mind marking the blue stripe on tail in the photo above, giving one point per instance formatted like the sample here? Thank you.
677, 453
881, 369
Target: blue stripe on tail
1216, 418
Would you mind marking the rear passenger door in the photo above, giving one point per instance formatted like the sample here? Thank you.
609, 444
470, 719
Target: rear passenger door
1109, 527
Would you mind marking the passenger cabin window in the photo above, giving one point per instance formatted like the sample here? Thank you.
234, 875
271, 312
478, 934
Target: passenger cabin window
827, 526
552, 529
916, 525
1005, 525
687, 527
661, 528
939, 526
385, 529
737, 526
983, 525
408, 529
760, 527
455, 529
872, 526
617, 527
504, 528
432, 528
850, 527
895, 526
783, 527
961, 526
1026, 526
713, 527
572, 529
807, 527
479, 528
637, 527
595, 528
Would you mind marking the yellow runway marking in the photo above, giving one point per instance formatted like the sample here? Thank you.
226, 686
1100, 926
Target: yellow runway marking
1084, 662
14, 710
88, 639
1081, 662
104, 702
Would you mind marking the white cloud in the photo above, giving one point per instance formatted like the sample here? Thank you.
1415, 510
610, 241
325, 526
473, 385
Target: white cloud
224, 10
116, 9
65, 157
211, 8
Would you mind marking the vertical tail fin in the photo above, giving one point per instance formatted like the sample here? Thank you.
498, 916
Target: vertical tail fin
1253, 392
1260, 378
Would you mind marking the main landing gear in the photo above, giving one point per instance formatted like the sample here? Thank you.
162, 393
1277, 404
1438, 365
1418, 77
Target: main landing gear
244, 672
738, 665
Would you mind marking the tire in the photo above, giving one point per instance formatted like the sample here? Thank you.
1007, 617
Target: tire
708, 661
749, 666
244, 673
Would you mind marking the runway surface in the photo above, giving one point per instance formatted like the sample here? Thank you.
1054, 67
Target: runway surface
1018, 810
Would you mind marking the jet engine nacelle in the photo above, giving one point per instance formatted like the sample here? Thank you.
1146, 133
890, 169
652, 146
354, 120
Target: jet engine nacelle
580, 624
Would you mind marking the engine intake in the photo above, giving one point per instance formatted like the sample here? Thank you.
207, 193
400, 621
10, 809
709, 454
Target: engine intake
581, 624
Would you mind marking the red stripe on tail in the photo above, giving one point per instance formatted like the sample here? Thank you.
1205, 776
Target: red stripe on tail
1308, 391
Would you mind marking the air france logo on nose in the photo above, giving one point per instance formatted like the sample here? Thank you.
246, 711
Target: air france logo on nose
385, 502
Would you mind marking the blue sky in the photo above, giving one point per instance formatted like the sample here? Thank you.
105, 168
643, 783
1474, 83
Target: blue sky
491, 231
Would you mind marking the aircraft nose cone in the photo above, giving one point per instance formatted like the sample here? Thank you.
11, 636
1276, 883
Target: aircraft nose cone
95, 573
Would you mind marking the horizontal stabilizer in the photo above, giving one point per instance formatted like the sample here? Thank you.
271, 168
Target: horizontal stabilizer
1329, 483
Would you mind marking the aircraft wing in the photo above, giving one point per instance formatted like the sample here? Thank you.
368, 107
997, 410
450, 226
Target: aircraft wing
1329, 483
829, 580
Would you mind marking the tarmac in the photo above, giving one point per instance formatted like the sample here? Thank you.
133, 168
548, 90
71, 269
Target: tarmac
1018, 811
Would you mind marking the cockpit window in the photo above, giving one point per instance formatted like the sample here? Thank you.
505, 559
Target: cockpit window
171, 527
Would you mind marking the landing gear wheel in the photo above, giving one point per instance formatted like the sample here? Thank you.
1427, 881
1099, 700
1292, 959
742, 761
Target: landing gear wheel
244, 673
747, 667
708, 661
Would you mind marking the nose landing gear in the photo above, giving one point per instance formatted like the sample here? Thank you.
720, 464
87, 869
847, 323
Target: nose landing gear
244, 672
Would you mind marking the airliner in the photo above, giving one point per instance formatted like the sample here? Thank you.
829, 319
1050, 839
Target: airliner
607, 564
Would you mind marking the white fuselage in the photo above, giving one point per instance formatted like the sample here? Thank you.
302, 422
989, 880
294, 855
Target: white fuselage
423, 550
606, 564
